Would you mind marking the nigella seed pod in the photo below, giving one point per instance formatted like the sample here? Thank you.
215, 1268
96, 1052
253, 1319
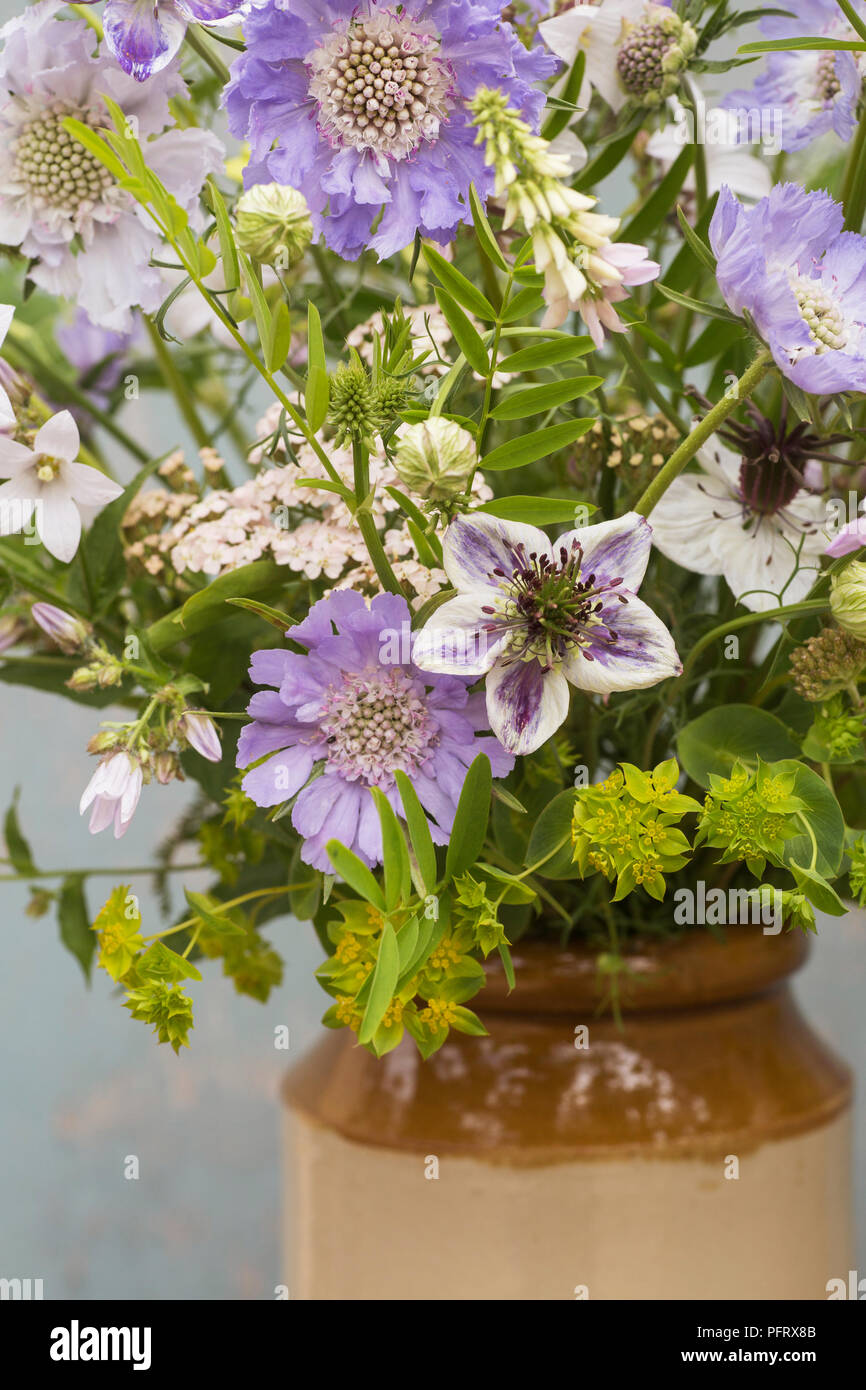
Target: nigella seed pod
436, 458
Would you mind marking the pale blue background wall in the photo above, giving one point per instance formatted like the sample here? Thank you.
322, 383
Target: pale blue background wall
82, 1087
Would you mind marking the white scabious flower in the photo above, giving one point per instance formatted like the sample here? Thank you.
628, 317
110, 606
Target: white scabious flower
87, 239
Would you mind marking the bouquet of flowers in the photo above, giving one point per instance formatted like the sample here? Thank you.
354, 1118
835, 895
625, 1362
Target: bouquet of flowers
514, 588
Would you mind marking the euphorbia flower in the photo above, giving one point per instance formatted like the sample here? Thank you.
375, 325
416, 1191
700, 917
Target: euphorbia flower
534, 615
47, 485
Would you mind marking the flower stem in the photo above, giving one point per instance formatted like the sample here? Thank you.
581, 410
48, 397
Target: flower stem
366, 523
199, 45
636, 367
854, 181
702, 432
177, 386
121, 873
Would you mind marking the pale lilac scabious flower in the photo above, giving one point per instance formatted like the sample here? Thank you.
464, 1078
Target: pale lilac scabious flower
113, 793
87, 239
355, 708
789, 264
362, 106
812, 91
536, 616
144, 35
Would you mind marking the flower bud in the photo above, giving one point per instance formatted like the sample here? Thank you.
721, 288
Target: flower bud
166, 767
12, 629
201, 734
435, 459
68, 632
848, 598
272, 224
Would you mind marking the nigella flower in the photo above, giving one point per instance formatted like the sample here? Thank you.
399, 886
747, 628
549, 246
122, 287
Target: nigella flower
354, 708
802, 279
813, 91
362, 106
749, 520
534, 615
144, 35
635, 50
87, 239
113, 793
48, 486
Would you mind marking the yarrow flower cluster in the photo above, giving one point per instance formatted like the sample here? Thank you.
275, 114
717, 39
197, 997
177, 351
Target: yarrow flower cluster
356, 708
86, 237
363, 107
802, 278
583, 269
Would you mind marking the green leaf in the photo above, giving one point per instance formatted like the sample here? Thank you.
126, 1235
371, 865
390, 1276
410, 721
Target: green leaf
547, 354
384, 981
458, 286
717, 740
550, 395
551, 841
698, 306
470, 820
822, 811
466, 337
426, 554
315, 338
355, 873
205, 607
465, 1021
484, 232
824, 45
558, 120
228, 250
398, 881
419, 831
18, 849
659, 204
317, 397
820, 893
523, 305
537, 511
281, 621
697, 244
208, 913
74, 921
279, 336
539, 444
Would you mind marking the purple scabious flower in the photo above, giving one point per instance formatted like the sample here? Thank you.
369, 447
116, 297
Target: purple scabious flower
362, 107
144, 35
812, 91
354, 708
536, 616
87, 239
789, 264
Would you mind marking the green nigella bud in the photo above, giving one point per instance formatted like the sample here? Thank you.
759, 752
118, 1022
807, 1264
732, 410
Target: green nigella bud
272, 224
848, 598
435, 459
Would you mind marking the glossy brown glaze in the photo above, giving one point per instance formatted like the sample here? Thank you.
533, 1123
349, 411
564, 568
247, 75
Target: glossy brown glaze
713, 1056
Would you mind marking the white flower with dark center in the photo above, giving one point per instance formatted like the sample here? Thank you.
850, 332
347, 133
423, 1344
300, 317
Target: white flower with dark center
750, 521
534, 616
48, 486
87, 238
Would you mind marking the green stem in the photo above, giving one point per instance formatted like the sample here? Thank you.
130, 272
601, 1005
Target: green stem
366, 523
177, 386
137, 872
702, 432
196, 41
636, 367
852, 17
854, 181
332, 289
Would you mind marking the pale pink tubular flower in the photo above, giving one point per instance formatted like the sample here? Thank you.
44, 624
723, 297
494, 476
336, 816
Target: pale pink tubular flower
113, 792
201, 734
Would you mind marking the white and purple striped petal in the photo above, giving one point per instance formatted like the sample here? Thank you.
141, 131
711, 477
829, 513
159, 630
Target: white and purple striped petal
479, 550
641, 654
460, 639
143, 35
618, 549
525, 704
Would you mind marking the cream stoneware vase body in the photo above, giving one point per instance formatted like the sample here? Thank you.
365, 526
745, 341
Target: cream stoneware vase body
699, 1151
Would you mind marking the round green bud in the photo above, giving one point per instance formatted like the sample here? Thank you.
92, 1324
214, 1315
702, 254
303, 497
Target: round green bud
848, 598
272, 224
435, 459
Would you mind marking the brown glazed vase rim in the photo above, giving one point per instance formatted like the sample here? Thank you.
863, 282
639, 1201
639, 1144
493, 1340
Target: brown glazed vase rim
690, 971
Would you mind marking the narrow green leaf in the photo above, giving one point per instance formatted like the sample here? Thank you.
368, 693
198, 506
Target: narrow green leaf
228, 250
484, 232
470, 820
280, 336
315, 338
550, 395
466, 337
698, 245
523, 305
281, 621
426, 554
384, 982
395, 856
558, 120
18, 848
208, 913
698, 306
457, 285
419, 831
546, 354
355, 873
74, 922
317, 397
539, 444
538, 511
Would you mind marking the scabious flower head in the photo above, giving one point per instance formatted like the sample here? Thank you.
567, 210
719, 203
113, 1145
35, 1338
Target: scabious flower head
46, 485
789, 264
362, 104
144, 35
87, 239
750, 520
355, 708
635, 50
535, 616
809, 92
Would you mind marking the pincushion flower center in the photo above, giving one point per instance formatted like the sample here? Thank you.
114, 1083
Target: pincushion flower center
827, 84
376, 723
821, 313
381, 85
640, 61
552, 607
59, 171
